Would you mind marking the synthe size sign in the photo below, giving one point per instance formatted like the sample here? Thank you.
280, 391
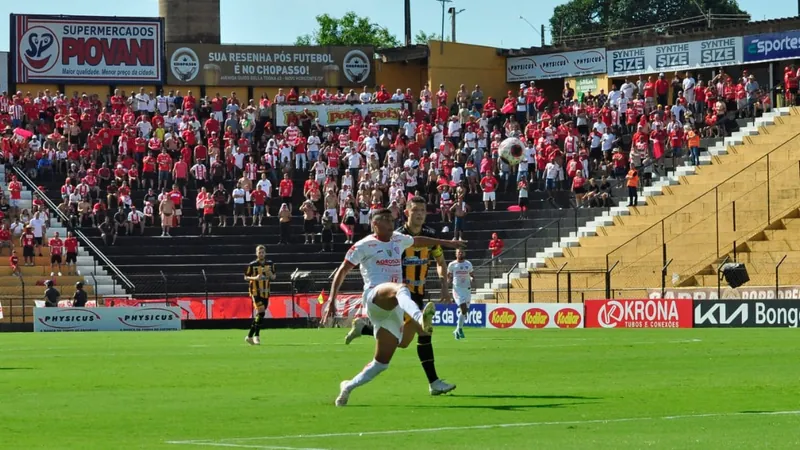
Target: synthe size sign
675, 57
744, 314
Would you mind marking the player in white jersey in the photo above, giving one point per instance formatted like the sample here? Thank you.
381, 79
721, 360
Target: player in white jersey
385, 297
459, 272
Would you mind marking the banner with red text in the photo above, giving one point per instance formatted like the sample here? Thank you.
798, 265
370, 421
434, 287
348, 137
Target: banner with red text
68, 49
534, 315
233, 307
388, 114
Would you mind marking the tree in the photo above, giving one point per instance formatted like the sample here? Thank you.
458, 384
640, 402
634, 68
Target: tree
349, 30
422, 38
578, 17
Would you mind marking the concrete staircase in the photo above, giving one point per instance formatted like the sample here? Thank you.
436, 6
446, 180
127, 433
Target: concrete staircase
586, 248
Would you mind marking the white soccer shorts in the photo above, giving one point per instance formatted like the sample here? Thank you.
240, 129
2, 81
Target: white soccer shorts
391, 321
462, 296
489, 196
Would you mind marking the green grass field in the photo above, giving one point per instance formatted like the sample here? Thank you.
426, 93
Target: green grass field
517, 389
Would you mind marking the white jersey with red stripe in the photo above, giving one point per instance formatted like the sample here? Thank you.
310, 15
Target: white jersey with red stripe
380, 262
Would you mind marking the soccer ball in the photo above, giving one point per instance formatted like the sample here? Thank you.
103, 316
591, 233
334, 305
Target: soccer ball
511, 151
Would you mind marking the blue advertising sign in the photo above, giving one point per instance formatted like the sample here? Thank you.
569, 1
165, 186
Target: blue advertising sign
446, 315
772, 46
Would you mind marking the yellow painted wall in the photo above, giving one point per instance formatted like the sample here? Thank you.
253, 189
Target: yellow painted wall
34, 88
101, 90
184, 89
469, 65
399, 75
135, 88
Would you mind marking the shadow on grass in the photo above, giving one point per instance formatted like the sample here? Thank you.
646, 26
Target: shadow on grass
490, 407
529, 397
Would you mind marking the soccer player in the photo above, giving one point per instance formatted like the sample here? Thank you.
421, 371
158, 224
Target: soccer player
385, 298
259, 274
415, 271
459, 272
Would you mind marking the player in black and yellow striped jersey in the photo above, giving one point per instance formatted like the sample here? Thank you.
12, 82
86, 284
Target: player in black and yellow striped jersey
416, 261
259, 274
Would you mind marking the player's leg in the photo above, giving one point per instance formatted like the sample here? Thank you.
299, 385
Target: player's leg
463, 311
260, 308
402, 297
436, 386
382, 310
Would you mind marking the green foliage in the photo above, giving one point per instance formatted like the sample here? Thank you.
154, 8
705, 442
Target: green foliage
350, 29
422, 38
578, 17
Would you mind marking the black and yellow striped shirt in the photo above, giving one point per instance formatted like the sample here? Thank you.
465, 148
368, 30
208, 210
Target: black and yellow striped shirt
417, 259
259, 288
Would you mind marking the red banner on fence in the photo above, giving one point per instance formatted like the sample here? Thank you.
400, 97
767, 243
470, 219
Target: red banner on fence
238, 307
651, 313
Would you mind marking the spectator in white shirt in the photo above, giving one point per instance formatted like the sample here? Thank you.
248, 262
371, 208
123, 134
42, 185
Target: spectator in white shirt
365, 97
135, 219
142, 101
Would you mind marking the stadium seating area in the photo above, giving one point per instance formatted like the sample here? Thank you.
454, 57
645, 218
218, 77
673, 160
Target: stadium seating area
745, 198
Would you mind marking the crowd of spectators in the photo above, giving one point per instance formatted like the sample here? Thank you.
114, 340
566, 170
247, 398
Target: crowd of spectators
445, 148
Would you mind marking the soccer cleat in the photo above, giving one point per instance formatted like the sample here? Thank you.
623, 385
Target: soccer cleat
355, 330
344, 394
456, 334
256, 340
427, 317
461, 333
440, 387
249, 340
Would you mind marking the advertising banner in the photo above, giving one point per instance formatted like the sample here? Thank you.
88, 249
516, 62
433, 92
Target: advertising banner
772, 46
148, 318
446, 315
534, 315
649, 313
743, 293
3, 71
241, 307
71, 49
675, 57
746, 314
556, 65
252, 65
340, 115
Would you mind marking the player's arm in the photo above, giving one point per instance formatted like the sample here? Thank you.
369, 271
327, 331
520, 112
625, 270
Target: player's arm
425, 241
338, 279
271, 272
248, 275
445, 277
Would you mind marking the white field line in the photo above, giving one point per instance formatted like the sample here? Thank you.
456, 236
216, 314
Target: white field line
264, 447
483, 427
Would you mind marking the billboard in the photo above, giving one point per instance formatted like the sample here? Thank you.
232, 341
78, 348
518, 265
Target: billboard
388, 114
556, 65
151, 318
675, 57
638, 313
743, 293
69, 49
251, 65
772, 46
746, 314
534, 315
3, 71
446, 315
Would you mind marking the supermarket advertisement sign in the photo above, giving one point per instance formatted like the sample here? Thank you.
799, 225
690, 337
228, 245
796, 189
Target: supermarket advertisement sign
534, 315
59, 49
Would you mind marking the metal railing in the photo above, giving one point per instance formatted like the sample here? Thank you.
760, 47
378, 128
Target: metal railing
733, 214
117, 274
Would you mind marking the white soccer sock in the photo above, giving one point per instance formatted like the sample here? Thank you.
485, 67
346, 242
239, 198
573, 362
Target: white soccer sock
367, 374
461, 318
408, 305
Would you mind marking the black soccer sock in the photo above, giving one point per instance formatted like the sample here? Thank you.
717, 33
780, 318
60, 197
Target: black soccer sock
425, 353
367, 330
255, 327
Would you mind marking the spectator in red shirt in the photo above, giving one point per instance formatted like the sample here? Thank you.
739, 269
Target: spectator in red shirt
496, 248
259, 199
71, 248
164, 162
662, 89
489, 186
13, 262
180, 172
56, 249
285, 190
